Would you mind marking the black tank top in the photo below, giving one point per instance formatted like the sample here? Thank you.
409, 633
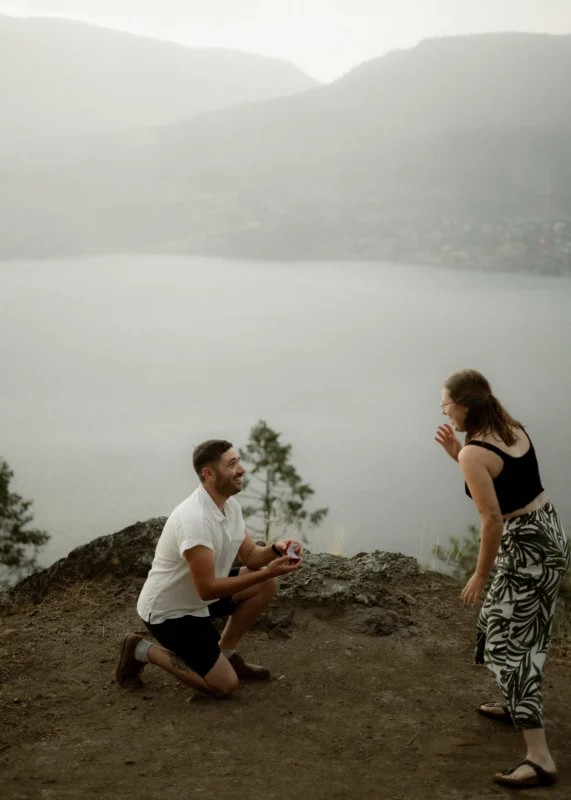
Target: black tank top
518, 483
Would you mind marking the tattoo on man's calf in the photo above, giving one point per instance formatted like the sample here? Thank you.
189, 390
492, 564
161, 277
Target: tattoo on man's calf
178, 663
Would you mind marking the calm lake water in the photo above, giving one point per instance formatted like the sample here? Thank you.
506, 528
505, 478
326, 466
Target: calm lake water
113, 368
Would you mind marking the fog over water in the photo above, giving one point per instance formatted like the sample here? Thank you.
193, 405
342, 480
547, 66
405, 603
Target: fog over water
113, 368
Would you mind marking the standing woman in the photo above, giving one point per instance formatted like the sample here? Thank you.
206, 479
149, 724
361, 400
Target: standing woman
520, 526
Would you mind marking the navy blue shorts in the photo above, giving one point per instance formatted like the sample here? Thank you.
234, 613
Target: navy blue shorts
195, 639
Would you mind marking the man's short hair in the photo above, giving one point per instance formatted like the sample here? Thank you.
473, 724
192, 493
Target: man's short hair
208, 453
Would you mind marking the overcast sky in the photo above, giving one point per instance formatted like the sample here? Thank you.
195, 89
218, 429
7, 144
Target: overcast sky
325, 38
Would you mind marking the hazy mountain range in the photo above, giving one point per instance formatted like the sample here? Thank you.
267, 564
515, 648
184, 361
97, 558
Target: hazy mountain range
452, 134
63, 77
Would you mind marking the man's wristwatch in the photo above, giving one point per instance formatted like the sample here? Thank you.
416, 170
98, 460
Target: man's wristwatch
277, 551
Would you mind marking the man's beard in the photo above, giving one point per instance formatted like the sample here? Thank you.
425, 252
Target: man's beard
226, 487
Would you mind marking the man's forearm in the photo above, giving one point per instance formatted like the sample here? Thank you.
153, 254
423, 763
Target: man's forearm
225, 587
260, 557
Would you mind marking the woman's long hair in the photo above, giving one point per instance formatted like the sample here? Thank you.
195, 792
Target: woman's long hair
485, 414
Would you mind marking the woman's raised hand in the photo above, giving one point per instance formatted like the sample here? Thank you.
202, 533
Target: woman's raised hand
446, 437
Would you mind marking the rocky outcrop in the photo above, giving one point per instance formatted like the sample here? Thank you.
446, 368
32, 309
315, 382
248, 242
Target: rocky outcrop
126, 554
368, 591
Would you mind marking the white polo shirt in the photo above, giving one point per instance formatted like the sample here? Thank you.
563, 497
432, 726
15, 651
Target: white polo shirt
169, 590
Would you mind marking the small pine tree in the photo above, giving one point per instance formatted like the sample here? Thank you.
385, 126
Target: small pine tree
18, 544
274, 489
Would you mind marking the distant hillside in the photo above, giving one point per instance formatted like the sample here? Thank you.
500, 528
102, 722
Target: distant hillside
501, 81
63, 77
457, 151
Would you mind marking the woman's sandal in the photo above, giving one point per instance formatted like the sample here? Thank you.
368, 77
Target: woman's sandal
541, 777
495, 711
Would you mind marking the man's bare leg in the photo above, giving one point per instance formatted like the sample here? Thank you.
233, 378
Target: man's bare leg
220, 681
253, 602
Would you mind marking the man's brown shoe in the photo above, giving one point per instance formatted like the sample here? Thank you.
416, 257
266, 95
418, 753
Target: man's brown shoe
128, 672
248, 672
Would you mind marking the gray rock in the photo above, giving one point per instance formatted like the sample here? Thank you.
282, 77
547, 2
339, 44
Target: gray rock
364, 590
128, 553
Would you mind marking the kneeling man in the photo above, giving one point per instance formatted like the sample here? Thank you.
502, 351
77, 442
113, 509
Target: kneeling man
192, 581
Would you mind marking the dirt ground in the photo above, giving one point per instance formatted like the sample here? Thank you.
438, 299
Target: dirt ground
345, 716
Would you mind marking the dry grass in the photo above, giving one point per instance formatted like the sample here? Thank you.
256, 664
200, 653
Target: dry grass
62, 600
66, 598
560, 649
8, 665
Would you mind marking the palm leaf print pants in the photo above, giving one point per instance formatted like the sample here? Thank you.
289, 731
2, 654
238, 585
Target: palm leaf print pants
515, 621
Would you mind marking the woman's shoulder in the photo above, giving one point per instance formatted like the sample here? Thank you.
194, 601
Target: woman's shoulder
520, 446
473, 451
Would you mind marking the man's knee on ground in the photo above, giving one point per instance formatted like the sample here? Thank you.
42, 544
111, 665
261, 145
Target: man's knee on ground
223, 686
221, 679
